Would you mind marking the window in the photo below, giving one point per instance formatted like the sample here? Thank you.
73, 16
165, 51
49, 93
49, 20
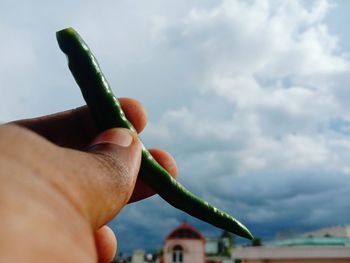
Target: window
178, 254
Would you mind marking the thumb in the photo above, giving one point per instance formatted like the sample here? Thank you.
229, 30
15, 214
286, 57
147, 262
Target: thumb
118, 155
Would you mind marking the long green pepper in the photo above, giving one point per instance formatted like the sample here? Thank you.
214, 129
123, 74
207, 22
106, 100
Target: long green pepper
107, 113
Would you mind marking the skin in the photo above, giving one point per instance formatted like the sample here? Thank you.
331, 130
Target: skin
61, 182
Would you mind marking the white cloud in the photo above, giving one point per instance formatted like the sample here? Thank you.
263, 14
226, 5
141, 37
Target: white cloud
284, 77
250, 96
271, 62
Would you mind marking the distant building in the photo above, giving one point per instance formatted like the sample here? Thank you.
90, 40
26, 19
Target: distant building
138, 256
334, 231
328, 245
218, 245
211, 245
184, 244
292, 254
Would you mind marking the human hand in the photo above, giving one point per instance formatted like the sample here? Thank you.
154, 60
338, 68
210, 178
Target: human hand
76, 129
56, 200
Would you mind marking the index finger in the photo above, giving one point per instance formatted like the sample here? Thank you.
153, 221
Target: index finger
75, 128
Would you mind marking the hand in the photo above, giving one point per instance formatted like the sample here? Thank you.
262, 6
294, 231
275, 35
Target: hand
55, 197
75, 129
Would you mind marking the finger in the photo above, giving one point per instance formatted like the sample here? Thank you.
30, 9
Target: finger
118, 151
75, 128
135, 112
142, 190
106, 244
102, 179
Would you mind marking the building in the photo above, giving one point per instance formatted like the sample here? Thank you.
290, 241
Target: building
292, 255
184, 244
334, 231
138, 256
218, 245
328, 245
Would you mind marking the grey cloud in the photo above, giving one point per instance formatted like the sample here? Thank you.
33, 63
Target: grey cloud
145, 224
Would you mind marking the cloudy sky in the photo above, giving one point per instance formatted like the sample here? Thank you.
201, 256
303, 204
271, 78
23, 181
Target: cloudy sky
251, 97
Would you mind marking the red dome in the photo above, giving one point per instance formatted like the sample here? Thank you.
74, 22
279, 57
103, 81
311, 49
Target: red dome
185, 231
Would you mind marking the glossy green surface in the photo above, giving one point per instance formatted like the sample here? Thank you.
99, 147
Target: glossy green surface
108, 113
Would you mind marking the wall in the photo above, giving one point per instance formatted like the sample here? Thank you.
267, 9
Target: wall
193, 250
138, 256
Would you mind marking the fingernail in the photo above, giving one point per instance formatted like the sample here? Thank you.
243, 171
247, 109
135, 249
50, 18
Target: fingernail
119, 136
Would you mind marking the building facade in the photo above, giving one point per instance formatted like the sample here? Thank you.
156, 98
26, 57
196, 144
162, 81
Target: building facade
184, 244
328, 245
292, 255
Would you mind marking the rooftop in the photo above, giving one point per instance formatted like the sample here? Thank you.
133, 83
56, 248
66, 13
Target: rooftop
291, 253
313, 241
185, 231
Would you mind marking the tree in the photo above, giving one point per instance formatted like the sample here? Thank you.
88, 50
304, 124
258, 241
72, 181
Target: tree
226, 243
256, 242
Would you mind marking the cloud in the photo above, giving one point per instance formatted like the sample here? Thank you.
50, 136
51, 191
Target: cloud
277, 70
251, 97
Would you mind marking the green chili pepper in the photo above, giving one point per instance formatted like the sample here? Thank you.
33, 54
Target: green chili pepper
107, 113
